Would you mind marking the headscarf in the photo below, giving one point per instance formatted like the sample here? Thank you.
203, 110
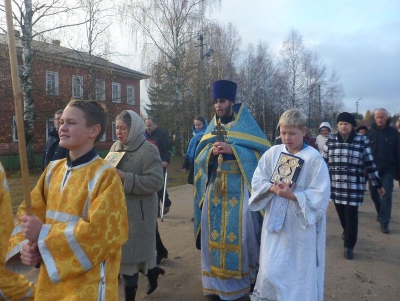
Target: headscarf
197, 135
325, 125
137, 126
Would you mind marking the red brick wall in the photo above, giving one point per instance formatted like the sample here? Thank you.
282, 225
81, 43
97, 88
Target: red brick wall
46, 105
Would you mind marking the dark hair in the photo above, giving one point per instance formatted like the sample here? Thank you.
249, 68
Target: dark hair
201, 119
152, 119
363, 127
125, 117
95, 113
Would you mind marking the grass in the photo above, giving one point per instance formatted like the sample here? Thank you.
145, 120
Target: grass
175, 178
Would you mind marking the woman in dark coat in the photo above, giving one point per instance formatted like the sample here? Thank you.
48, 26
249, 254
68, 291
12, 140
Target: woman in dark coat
140, 170
348, 154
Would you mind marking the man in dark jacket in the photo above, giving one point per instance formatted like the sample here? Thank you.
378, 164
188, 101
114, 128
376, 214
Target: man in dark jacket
52, 151
160, 139
385, 145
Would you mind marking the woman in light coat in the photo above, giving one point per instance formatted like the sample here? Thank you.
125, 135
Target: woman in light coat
324, 131
140, 170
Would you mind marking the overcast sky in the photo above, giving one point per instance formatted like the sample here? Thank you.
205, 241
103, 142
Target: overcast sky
360, 39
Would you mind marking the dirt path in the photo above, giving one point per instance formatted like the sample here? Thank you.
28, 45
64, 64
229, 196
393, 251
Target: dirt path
373, 274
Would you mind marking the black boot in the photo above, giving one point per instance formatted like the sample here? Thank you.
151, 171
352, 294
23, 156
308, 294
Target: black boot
152, 275
130, 293
162, 252
348, 253
162, 255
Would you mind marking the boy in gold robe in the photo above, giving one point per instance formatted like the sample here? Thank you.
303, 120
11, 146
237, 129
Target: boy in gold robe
12, 286
79, 220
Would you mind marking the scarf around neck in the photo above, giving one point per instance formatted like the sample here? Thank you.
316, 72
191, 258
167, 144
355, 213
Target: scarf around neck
197, 135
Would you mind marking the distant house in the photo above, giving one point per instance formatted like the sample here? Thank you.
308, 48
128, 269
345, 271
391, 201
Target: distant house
59, 74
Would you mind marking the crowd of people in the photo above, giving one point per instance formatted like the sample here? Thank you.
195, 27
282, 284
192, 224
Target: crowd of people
259, 210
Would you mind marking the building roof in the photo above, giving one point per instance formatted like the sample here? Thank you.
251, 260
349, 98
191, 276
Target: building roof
55, 50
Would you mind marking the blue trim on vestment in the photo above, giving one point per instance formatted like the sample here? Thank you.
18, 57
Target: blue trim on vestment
247, 150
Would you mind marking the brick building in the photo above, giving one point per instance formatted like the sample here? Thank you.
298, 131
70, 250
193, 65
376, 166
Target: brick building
60, 73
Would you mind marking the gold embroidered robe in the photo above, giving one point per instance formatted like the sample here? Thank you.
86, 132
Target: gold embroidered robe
85, 225
12, 286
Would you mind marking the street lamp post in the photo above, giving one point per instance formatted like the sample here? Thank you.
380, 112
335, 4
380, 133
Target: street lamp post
201, 76
201, 72
357, 106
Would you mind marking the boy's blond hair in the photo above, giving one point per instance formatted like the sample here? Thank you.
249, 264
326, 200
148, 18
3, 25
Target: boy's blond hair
293, 117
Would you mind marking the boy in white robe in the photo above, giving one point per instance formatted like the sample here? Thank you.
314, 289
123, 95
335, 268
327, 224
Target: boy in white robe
292, 257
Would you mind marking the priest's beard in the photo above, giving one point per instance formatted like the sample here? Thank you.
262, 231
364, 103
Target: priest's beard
227, 112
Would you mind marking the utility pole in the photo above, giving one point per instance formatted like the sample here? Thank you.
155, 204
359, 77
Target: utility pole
357, 106
201, 75
319, 102
203, 55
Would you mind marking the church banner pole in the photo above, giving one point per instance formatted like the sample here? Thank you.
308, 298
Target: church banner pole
18, 107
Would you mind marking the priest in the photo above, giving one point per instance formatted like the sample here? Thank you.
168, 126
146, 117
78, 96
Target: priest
226, 231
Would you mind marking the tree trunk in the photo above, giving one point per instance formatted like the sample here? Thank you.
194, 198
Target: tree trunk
29, 105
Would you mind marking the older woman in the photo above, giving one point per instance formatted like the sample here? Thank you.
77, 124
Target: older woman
324, 131
140, 170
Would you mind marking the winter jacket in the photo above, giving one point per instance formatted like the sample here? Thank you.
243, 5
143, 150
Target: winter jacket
321, 140
310, 141
385, 145
143, 178
52, 151
188, 164
346, 163
190, 167
160, 139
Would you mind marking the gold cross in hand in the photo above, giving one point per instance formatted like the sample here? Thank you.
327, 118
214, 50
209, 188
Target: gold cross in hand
219, 131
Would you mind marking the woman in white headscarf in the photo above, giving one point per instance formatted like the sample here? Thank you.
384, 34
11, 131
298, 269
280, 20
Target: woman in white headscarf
141, 173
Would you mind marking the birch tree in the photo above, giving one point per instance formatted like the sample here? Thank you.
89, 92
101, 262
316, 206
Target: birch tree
332, 94
256, 80
314, 74
291, 64
226, 42
305, 84
36, 19
167, 28
94, 48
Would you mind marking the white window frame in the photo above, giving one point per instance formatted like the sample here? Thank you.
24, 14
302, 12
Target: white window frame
100, 89
104, 137
130, 95
116, 92
52, 82
49, 127
77, 86
15, 131
114, 131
